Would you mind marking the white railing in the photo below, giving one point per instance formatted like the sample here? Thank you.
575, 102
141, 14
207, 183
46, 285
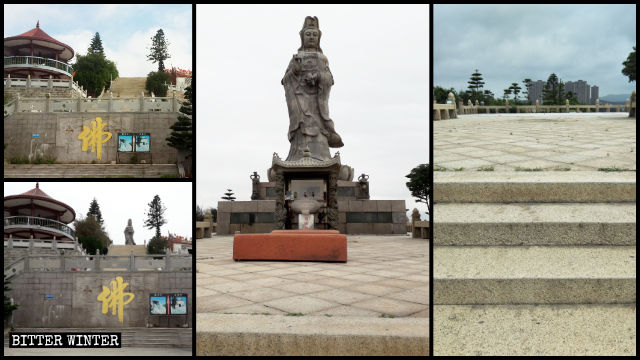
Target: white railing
15, 222
109, 104
37, 62
49, 83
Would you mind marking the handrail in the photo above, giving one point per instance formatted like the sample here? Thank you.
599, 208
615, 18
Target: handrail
36, 61
40, 222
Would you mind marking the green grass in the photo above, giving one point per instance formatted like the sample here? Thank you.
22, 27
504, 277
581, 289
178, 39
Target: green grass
390, 316
19, 160
439, 168
612, 169
518, 168
295, 314
562, 169
458, 169
486, 168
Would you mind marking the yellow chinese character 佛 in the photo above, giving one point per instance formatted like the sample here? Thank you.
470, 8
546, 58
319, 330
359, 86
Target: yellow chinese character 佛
94, 136
114, 299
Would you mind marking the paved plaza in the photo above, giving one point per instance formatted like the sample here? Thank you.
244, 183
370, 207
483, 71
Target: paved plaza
531, 142
384, 277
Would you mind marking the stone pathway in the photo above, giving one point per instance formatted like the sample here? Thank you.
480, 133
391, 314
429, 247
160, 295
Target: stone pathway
385, 276
527, 142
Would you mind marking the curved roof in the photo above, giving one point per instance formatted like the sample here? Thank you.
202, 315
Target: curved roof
39, 37
41, 199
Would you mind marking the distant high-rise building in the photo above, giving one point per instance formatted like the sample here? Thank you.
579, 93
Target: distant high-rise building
586, 94
579, 89
535, 91
595, 93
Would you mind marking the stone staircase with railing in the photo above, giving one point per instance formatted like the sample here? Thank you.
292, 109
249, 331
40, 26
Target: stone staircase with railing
129, 87
541, 264
131, 337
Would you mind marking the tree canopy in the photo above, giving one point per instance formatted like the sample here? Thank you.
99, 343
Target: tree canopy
155, 215
159, 51
94, 210
181, 132
420, 184
94, 72
553, 91
157, 82
92, 236
96, 45
629, 68
157, 245
228, 195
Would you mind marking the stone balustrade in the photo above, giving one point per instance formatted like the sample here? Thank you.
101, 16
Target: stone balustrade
450, 110
88, 105
49, 83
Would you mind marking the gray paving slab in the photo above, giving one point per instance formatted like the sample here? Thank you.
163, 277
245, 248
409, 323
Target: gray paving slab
534, 275
546, 141
483, 330
534, 186
535, 224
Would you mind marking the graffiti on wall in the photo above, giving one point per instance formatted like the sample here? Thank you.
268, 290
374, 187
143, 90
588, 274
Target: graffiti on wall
114, 298
94, 137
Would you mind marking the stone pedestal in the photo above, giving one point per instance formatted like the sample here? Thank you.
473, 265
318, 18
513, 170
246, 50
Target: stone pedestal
291, 245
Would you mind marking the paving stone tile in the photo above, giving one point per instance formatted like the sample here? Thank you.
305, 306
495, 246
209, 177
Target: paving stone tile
300, 304
389, 306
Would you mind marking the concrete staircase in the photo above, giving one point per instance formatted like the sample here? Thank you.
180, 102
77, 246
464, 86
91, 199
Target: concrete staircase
131, 337
129, 87
90, 171
540, 263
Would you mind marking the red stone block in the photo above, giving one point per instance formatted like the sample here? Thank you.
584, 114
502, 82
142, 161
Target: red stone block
291, 245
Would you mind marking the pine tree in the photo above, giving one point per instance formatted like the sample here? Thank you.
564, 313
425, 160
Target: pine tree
159, 50
96, 45
94, 210
516, 90
527, 84
181, 135
228, 195
155, 215
476, 82
553, 91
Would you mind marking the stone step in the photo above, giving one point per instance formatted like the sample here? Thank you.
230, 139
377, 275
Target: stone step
89, 170
535, 186
240, 334
535, 224
534, 275
563, 330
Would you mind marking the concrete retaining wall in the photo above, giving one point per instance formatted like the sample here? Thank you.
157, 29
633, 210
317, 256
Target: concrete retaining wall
59, 299
58, 136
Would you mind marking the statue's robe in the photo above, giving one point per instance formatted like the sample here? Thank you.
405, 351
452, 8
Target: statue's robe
307, 83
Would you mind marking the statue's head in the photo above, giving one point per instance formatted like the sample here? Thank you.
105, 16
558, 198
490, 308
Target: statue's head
310, 34
129, 223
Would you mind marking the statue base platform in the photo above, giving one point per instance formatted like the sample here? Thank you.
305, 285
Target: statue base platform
291, 245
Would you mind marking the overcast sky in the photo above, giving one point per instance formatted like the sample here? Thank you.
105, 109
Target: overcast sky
378, 55
121, 201
125, 30
508, 43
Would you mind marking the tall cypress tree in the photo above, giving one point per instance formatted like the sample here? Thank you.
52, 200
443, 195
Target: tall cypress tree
159, 50
96, 45
155, 215
181, 134
94, 210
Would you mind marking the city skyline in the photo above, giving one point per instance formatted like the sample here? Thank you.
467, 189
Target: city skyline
508, 43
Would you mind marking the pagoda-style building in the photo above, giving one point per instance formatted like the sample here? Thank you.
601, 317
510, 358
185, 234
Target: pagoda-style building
36, 214
38, 55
